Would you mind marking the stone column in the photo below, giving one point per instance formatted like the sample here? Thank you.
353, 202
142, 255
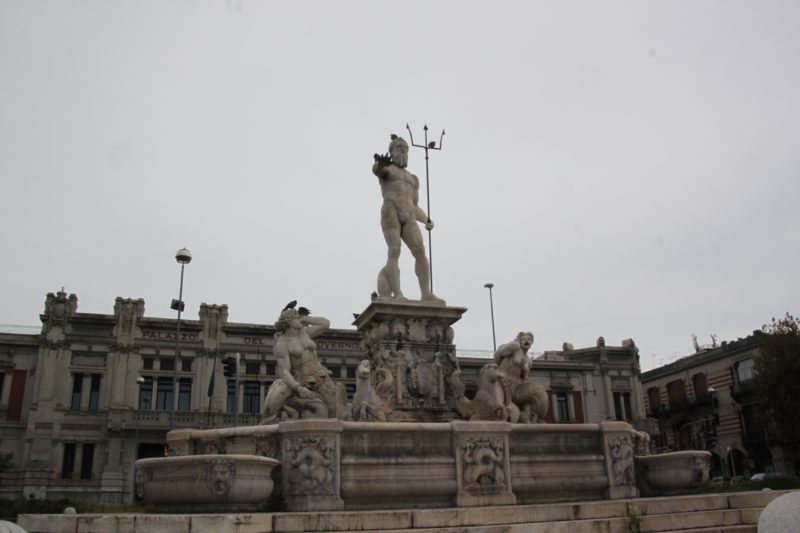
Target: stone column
609, 396
637, 401
483, 466
311, 473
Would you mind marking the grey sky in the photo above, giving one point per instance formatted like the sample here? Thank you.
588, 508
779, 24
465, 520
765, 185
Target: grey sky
625, 169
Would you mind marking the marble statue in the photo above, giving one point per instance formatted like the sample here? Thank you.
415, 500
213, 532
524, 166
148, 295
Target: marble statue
528, 400
304, 388
400, 214
371, 402
490, 400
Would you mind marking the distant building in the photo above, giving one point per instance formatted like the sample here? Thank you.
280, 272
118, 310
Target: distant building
708, 401
86, 395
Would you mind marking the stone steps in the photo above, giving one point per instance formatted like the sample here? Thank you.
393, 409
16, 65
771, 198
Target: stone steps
717, 513
726, 529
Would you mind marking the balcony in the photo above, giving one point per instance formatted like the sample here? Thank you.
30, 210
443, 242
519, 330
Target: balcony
743, 390
159, 420
684, 404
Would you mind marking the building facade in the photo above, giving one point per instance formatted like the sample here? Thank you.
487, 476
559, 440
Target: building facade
708, 401
88, 394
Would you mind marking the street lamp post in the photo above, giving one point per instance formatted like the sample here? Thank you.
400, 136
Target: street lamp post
491, 307
733, 464
183, 256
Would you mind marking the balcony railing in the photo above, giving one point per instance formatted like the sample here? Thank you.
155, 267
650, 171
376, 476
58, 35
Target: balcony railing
743, 389
159, 420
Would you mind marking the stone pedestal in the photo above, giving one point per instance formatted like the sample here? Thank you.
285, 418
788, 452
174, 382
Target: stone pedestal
483, 468
413, 341
311, 473
618, 451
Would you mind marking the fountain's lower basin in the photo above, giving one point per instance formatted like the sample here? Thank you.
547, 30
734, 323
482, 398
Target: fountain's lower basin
672, 473
203, 483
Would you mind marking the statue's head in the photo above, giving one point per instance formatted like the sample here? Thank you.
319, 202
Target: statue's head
398, 149
285, 319
525, 340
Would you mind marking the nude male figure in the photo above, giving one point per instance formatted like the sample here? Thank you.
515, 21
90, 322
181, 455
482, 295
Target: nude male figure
399, 216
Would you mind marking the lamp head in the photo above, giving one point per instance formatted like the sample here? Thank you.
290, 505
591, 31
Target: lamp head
140, 380
183, 256
489, 285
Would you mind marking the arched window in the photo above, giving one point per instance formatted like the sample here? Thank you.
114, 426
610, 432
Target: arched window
744, 370
654, 399
700, 385
676, 391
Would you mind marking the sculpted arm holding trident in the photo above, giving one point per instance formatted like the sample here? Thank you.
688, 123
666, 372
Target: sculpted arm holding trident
400, 214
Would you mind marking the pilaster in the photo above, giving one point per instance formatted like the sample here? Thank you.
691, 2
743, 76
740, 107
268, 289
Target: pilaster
311, 473
483, 465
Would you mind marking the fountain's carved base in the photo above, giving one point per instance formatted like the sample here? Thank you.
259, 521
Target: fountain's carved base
330, 464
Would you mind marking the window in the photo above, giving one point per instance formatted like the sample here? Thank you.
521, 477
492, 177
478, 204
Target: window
164, 394
336, 372
744, 370
16, 395
184, 394
231, 396
167, 364
87, 458
68, 462
94, 393
252, 397
654, 399
77, 385
146, 393
350, 388
577, 405
351, 372
676, 392
147, 363
700, 385
186, 365
270, 369
2, 382
253, 368
562, 405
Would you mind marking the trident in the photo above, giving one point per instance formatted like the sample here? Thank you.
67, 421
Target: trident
427, 146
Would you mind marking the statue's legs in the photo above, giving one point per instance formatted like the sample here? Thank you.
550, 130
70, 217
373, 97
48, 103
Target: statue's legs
389, 277
412, 236
276, 398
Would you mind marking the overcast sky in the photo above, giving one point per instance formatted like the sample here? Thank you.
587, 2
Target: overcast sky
625, 169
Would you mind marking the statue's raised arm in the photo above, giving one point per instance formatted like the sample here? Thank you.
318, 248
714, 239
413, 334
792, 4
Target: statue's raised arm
400, 215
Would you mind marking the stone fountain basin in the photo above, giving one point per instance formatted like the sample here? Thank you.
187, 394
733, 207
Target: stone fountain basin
673, 472
205, 482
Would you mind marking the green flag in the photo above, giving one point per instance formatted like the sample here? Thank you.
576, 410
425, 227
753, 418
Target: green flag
211, 381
